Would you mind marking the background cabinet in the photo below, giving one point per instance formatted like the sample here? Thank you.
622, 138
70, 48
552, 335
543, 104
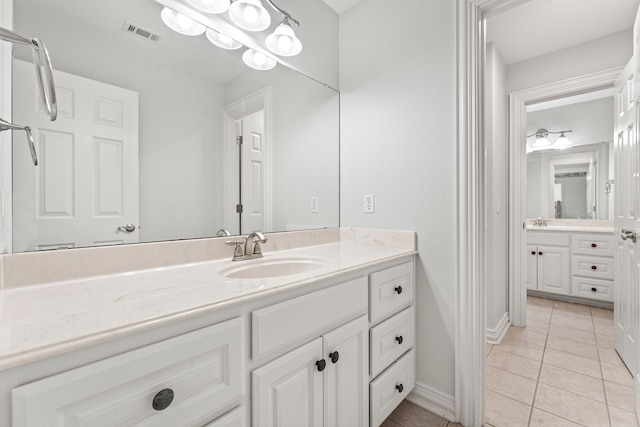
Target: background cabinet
548, 269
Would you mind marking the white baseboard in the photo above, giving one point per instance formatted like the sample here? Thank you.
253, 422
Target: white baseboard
433, 400
495, 335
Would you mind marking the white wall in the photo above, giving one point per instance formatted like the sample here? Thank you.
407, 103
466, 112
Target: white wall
496, 195
398, 121
597, 55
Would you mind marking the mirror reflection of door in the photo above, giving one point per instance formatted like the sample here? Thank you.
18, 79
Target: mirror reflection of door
571, 192
86, 184
252, 173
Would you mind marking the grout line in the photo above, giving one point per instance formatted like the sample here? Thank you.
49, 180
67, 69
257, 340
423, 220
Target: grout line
535, 391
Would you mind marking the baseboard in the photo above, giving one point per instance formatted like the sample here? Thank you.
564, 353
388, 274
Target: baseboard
570, 298
494, 336
433, 400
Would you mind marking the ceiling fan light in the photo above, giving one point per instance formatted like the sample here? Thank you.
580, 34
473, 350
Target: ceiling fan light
180, 23
249, 15
258, 60
221, 40
211, 6
283, 41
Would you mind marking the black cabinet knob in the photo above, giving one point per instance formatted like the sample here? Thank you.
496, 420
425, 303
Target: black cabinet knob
539, 253
162, 399
334, 356
398, 289
399, 339
533, 252
321, 364
593, 245
594, 267
594, 289
400, 388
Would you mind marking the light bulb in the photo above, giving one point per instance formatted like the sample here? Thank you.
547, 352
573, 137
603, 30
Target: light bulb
221, 40
224, 39
283, 40
183, 21
180, 23
211, 6
258, 60
250, 14
285, 43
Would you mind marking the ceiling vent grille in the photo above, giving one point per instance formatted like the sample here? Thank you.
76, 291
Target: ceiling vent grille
128, 27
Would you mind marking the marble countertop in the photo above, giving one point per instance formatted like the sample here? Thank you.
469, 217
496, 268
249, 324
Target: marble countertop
45, 320
577, 228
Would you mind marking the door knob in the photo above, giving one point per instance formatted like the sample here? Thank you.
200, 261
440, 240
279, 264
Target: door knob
129, 228
628, 234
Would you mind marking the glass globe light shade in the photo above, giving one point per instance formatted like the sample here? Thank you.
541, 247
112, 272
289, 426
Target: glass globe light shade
180, 23
258, 60
283, 41
211, 6
221, 40
249, 15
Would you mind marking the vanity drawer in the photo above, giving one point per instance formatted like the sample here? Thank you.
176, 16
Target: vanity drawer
592, 288
593, 244
235, 418
390, 291
595, 267
202, 370
390, 339
281, 326
551, 238
390, 388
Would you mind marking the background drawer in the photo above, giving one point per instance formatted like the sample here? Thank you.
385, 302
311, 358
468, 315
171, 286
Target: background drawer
584, 287
235, 418
593, 244
281, 326
203, 368
595, 267
390, 291
550, 238
390, 340
390, 388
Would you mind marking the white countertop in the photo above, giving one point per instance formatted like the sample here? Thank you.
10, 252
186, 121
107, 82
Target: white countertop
576, 228
42, 321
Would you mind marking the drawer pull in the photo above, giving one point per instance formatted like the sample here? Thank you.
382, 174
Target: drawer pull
162, 399
594, 267
539, 253
321, 364
398, 289
594, 289
533, 252
400, 388
399, 339
334, 356
593, 245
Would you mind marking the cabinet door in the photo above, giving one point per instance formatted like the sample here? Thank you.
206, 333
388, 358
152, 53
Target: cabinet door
553, 270
346, 391
532, 267
287, 392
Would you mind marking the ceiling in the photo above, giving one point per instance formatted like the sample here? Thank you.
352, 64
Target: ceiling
538, 27
341, 5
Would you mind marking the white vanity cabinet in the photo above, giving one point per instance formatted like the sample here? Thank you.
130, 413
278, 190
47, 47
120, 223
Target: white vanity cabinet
592, 266
548, 263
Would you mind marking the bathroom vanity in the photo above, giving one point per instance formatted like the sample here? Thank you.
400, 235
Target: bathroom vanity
319, 335
571, 262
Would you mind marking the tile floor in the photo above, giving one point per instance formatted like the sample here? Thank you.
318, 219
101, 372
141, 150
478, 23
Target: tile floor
561, 370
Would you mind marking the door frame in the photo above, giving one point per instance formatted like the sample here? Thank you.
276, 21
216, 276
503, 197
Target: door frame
6, 152
256, 101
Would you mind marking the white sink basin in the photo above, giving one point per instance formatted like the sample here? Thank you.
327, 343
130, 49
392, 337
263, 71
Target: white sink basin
265, 268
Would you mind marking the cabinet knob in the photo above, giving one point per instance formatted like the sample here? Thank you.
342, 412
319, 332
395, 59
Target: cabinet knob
162, 399
593, 245
539, 253
334, 356
321, 364
533, 252
400, 388
399, 339
398, 289
594, 267
594, 289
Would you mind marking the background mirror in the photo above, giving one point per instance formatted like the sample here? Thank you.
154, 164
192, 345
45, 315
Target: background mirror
146, 134
571, 183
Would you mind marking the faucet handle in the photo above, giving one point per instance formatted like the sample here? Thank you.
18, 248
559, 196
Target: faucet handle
238, 251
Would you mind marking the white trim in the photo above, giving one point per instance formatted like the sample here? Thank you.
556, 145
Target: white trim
495, 335
433, 400
518, 102
6, 177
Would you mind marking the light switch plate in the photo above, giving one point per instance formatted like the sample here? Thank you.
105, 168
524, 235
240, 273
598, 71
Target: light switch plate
315, 204
369, 203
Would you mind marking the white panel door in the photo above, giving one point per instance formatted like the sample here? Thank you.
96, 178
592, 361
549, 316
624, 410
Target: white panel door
532, 267
253, 173
346, 378
553, 270
86, 183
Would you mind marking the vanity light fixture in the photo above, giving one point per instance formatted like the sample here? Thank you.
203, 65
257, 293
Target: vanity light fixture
221, 40
258, 60
180, 23
249, 15
542, 141
562, 142
283, 40
211, 6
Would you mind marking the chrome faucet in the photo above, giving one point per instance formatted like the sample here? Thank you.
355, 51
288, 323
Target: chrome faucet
540, 221
251, 248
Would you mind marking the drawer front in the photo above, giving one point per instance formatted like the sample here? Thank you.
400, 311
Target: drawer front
391, 290
390, 388
550, 238
203, 369
390, 339
594, 267
281, 326
593, 244
592, 288
235, 418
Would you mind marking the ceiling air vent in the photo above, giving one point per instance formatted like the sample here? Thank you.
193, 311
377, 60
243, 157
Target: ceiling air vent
128, 27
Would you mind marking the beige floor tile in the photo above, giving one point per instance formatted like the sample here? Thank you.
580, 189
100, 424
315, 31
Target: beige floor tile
504, 412
524, 349
511, 385
513, 363
538, 325
617, 374
620, 418
603, 326
409, 414
487, 349
578, 348
620, 396
610, 356
571, 307
572, 334
567, 380
601, 313
571, 406
390, 423
540, 313
544, 419
524, 334
605, 341
454, 424
572, 362
540, 302
581, 324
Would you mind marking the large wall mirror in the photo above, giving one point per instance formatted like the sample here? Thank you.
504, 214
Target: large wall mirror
146, 134
574, 182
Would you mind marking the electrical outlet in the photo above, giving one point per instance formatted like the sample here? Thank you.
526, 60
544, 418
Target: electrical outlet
369, 203
315, 208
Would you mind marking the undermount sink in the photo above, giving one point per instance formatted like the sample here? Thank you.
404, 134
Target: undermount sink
265, 268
